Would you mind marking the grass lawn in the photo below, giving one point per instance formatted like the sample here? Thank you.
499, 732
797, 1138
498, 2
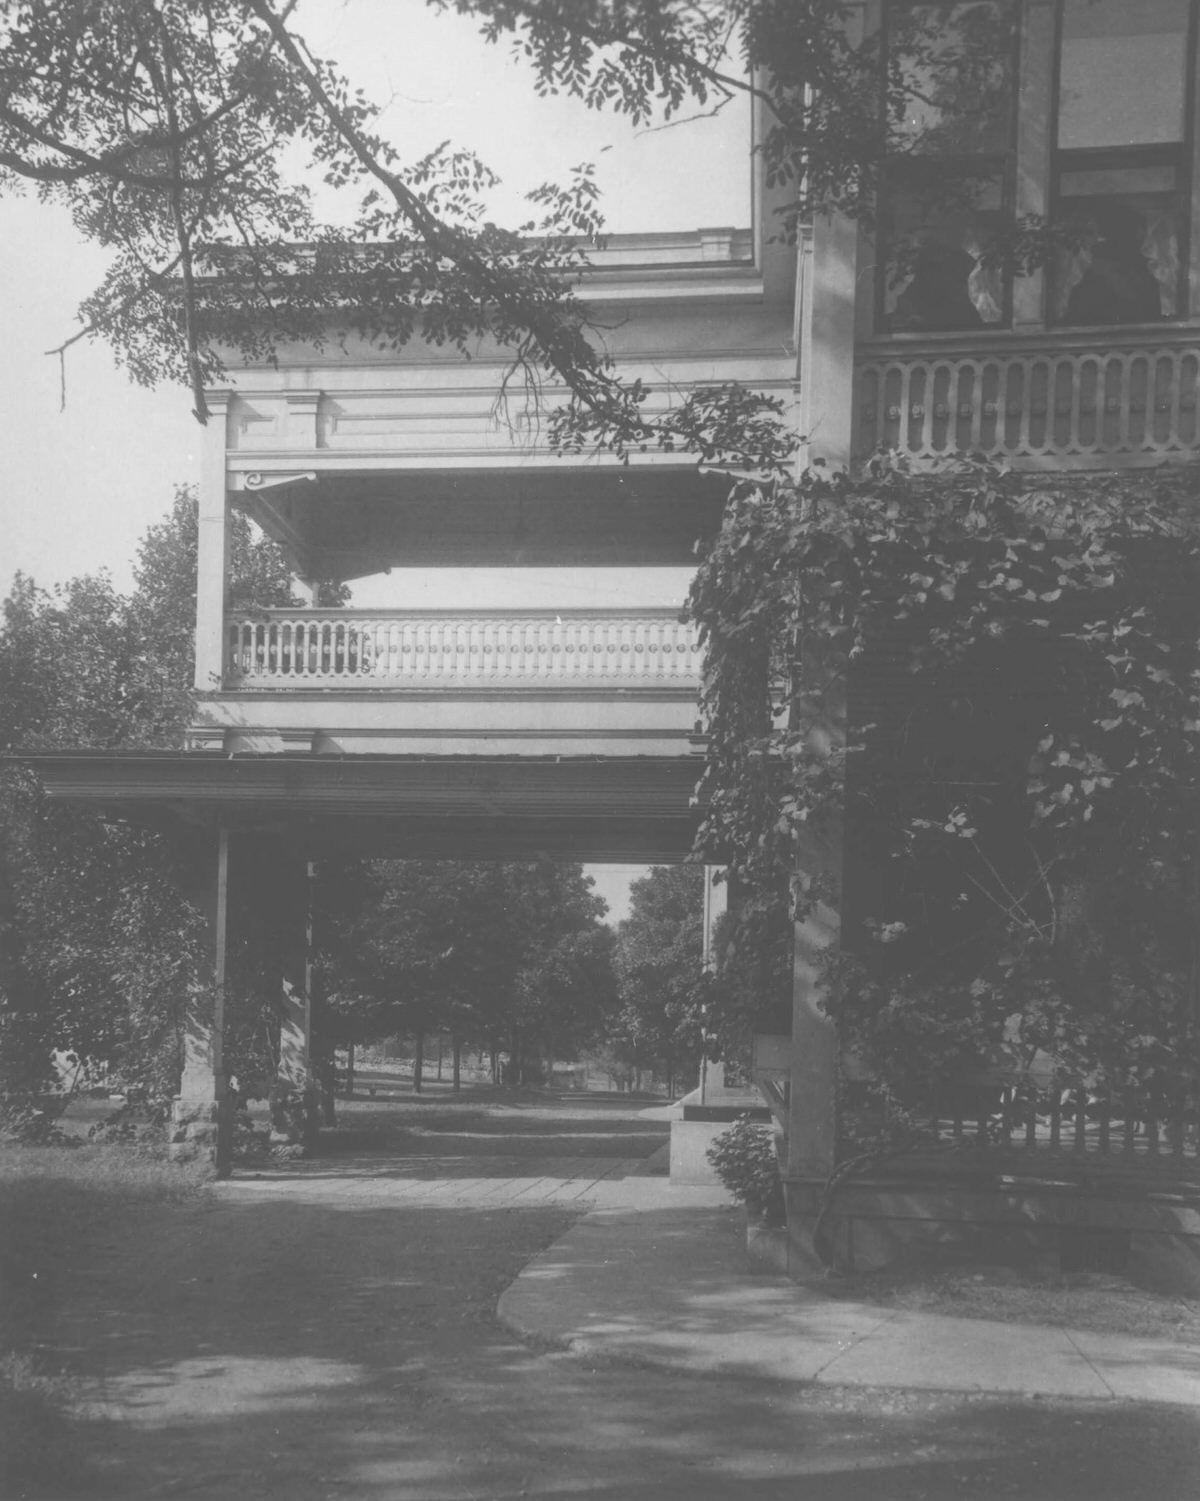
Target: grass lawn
56, 1206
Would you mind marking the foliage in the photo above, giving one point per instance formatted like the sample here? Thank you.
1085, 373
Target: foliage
98, 948
187, 138
661, 984
835, 108
23, 1124
744, 1160
171, 132
1019, 786
486, 951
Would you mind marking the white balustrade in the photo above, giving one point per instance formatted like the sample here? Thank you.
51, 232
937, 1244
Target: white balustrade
418, 649
1078, 403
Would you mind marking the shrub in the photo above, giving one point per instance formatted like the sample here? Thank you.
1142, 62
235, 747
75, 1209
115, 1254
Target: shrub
745, 1161
23, 1123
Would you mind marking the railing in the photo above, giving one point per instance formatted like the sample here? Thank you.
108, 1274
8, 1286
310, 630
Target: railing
1121, 1129
466, 649
1048, 1128
1064, 400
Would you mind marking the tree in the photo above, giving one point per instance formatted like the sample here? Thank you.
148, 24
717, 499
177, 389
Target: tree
501, 954
169, 130
97, 946
661, 984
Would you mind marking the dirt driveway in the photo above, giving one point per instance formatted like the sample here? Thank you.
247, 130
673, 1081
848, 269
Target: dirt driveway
327, 1330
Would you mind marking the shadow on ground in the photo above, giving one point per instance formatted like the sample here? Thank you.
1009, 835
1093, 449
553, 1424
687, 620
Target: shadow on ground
264, 1346
571, 1136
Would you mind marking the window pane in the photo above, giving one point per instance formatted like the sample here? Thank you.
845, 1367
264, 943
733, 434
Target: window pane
950, 79
937, 271
1126, 267
1121, 72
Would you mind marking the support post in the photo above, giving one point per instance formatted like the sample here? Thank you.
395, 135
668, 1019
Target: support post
812, 1097
202, 1114
828, 307
1035, 123
716, 903
826, 345
212, 547
294, 1101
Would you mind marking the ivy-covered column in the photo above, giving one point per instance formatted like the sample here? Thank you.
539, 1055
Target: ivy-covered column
294, 1099
812, 1104
201, 1115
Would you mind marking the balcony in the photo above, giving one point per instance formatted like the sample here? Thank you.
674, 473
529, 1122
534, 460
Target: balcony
463, 682
1056, 400
464, 650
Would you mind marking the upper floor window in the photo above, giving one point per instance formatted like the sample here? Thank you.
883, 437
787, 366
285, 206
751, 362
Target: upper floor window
1120, 173
948, 180
1086, 194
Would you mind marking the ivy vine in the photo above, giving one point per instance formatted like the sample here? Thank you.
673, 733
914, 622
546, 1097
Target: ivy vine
992, 677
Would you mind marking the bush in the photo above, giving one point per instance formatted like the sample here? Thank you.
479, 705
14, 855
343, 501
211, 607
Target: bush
23, 1123
745, 1161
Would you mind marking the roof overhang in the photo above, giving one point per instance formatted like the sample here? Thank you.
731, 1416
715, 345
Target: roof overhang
639, 809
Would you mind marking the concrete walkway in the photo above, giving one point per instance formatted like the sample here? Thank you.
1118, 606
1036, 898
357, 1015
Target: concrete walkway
658, 1276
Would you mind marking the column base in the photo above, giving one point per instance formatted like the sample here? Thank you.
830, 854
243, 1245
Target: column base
805, 1263
201, 1130
295, 1117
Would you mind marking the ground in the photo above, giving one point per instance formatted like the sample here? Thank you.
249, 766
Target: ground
327, 1330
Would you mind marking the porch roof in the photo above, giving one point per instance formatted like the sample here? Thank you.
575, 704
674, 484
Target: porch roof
470, 807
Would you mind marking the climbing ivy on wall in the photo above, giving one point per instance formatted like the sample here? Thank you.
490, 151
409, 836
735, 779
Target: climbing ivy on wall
990, 679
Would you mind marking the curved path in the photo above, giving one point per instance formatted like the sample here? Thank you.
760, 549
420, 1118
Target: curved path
328, 1330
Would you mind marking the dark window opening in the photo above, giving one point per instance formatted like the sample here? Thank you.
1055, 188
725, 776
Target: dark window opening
1120, 165
950, 78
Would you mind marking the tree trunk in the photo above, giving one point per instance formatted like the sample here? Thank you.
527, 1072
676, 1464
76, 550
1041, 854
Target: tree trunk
440, 1042
456, 1045
349, 1070
418, 1058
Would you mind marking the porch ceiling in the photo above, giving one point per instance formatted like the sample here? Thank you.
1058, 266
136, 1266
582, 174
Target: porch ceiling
352, 525
621, 809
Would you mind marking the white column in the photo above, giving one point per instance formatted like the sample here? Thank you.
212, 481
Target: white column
716, 903
212, 549
294, 1116
827, 314
201, 1124
826, 352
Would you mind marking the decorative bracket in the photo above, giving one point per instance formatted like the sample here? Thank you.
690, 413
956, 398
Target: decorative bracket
205, 738
273, 517
258, 480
